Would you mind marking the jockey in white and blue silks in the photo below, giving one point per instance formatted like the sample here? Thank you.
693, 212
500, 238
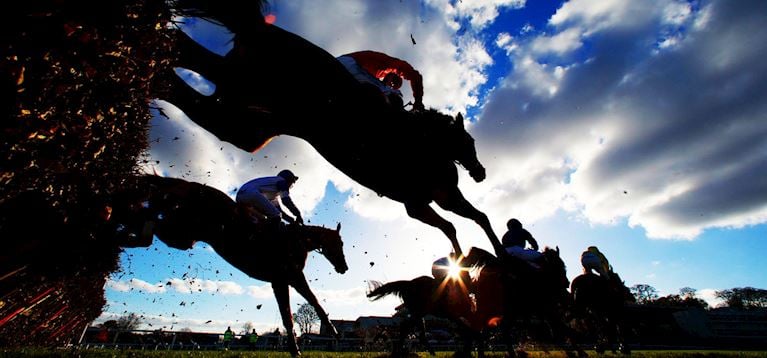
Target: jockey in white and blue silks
260, 197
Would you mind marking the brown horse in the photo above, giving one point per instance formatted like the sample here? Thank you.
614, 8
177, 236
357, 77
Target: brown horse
180, 212
274, 82
600, 304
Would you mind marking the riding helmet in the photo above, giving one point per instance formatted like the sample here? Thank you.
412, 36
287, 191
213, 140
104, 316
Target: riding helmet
287, 175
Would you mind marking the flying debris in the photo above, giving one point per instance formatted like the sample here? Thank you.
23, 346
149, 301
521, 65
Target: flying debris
209, 321
372, 263
412, 39
258, 307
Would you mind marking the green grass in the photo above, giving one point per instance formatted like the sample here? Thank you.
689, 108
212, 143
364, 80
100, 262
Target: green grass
111, 353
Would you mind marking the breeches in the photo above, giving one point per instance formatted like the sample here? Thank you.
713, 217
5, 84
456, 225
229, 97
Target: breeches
363, 76
592, 262
522, 253
260, 204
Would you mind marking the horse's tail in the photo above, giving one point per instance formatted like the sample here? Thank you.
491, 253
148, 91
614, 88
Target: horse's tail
377, 290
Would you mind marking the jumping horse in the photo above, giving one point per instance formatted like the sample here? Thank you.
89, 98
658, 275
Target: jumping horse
180, 213
274, 83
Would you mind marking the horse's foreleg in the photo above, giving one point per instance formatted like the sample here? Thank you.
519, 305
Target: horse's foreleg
302, 287
422, 336
455, 202
427, 215
282, 295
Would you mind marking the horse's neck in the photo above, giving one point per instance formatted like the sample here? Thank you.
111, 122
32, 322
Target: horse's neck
303, 240
553, 267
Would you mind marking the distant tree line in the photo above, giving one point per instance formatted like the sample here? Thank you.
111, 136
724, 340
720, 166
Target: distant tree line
738, 298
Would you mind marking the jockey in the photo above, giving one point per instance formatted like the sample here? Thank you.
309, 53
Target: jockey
515, 239
386, 73
593, 259
259, 197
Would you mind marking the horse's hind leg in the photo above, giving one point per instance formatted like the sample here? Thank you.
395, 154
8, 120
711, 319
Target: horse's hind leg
426, 214
399, 348
454, 201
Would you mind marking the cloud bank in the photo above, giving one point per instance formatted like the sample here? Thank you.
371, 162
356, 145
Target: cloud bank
654, 111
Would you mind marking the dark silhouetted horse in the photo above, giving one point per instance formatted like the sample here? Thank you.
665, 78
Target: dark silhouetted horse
519, 292
600, 305
424, 296
274, 82
180, 212
505, 291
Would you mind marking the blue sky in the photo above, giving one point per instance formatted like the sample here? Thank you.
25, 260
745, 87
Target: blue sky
636, 126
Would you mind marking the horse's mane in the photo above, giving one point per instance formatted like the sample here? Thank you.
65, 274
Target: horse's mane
303, 230
430, 118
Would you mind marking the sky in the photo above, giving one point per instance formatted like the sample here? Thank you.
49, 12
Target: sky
636, 126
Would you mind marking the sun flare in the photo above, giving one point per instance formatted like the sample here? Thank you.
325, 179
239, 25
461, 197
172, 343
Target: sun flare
448, 269
453, 270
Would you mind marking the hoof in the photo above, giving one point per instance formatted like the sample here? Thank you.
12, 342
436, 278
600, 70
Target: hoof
599, 348
624, 349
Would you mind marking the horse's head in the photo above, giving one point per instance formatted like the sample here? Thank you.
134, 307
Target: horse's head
464, 152
449, 135
555, 267
619, 289
328, 243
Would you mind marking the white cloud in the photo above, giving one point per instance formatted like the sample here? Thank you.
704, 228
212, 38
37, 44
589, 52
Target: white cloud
353, 297
191, 285
709, 295
559, 44
135, 284
264, 291
194, 285
483, 12
593, 16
